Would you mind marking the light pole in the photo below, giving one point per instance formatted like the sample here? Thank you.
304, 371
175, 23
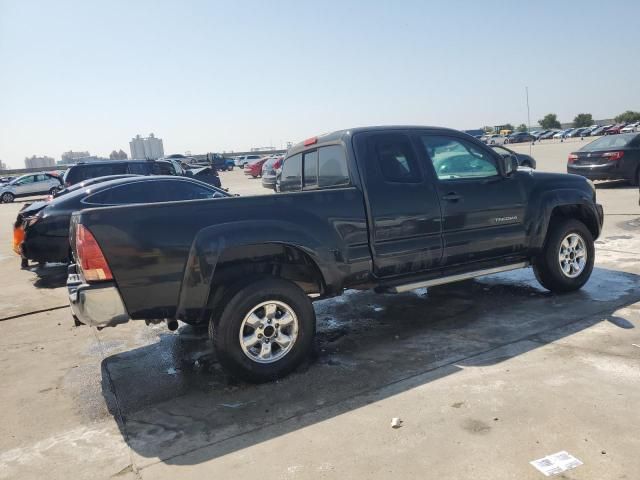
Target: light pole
526, 91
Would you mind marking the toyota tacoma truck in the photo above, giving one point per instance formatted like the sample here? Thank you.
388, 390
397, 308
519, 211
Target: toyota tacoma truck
388, 208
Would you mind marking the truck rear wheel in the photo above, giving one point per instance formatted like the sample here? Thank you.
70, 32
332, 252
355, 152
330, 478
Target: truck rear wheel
264, 331
566, 261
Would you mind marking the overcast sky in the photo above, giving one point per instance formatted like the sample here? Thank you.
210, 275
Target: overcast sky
212, 76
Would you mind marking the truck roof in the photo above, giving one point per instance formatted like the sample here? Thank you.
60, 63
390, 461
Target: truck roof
345, 134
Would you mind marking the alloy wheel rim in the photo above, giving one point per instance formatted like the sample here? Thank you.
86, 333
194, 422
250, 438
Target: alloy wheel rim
268, 332
572, 255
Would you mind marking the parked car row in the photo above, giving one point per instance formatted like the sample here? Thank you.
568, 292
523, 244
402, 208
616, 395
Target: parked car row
536, 135
499, 139
254, 168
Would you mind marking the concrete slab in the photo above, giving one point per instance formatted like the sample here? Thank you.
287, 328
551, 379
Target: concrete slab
486, 420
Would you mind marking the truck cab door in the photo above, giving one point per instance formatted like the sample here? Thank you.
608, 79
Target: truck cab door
482, 210
403, 206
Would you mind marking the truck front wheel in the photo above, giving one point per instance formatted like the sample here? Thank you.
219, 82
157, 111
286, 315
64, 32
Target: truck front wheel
265, 330
566, 262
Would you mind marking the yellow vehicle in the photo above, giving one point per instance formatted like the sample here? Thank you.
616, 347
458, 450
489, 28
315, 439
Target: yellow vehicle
506, 132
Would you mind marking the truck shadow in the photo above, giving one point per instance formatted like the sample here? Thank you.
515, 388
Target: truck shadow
617, 184
172, 401
53, 275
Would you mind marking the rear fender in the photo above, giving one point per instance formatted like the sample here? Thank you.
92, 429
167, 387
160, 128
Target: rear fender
210, 244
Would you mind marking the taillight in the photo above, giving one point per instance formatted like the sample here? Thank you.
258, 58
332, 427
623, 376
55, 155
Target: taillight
572, 158
30, 221
90, 258
613, 156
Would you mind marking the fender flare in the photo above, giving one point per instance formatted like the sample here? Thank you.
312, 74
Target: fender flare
211, 242
551, 200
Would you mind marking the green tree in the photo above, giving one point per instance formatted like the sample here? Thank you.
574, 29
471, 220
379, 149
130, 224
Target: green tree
488, 130
522, 128
508, 126
583, 120
549, 121
628, 117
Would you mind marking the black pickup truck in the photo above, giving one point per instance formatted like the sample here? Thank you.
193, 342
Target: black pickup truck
389, 208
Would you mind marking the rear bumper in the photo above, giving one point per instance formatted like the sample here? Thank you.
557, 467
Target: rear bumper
608, 171
269, 182
98, 305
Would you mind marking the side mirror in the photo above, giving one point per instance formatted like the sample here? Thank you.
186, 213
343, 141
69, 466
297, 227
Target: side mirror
509, 164
189, 173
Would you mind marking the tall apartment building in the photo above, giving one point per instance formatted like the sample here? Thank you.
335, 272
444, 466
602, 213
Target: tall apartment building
73, 157
39, 162
149, 148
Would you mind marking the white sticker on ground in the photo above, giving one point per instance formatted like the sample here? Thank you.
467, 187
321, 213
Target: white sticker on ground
556, 463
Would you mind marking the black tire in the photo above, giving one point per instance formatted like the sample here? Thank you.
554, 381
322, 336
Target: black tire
225, 330
7, 197
636, 179
53, 190
547, 266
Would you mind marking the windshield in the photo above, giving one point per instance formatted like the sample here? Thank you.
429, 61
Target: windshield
609, 142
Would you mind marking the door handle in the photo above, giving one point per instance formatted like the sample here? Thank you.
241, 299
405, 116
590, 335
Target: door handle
452, 197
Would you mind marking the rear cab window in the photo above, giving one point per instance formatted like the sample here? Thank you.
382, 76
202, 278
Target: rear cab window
322, 167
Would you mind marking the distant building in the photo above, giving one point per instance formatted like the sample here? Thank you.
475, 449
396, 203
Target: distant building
90, 158
149, 148
39, 162
72, 157
3, 166
119, 155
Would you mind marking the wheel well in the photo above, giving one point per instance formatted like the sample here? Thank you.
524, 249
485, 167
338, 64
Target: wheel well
577, 212
240, 265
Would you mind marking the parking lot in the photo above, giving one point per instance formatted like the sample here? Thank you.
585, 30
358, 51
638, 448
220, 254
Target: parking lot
486, 376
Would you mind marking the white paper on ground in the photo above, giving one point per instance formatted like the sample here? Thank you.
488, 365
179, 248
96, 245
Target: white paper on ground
556, 463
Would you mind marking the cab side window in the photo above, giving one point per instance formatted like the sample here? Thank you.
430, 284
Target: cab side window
310, 161
332, 167
140, 168
396, 158
291, 178
163, 168
454, 158
26, 180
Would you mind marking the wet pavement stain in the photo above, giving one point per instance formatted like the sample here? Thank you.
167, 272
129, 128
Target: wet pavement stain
477, 427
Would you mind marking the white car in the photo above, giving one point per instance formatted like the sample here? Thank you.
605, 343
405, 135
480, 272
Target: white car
495, 139
242, 160
631, 128
28, 185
